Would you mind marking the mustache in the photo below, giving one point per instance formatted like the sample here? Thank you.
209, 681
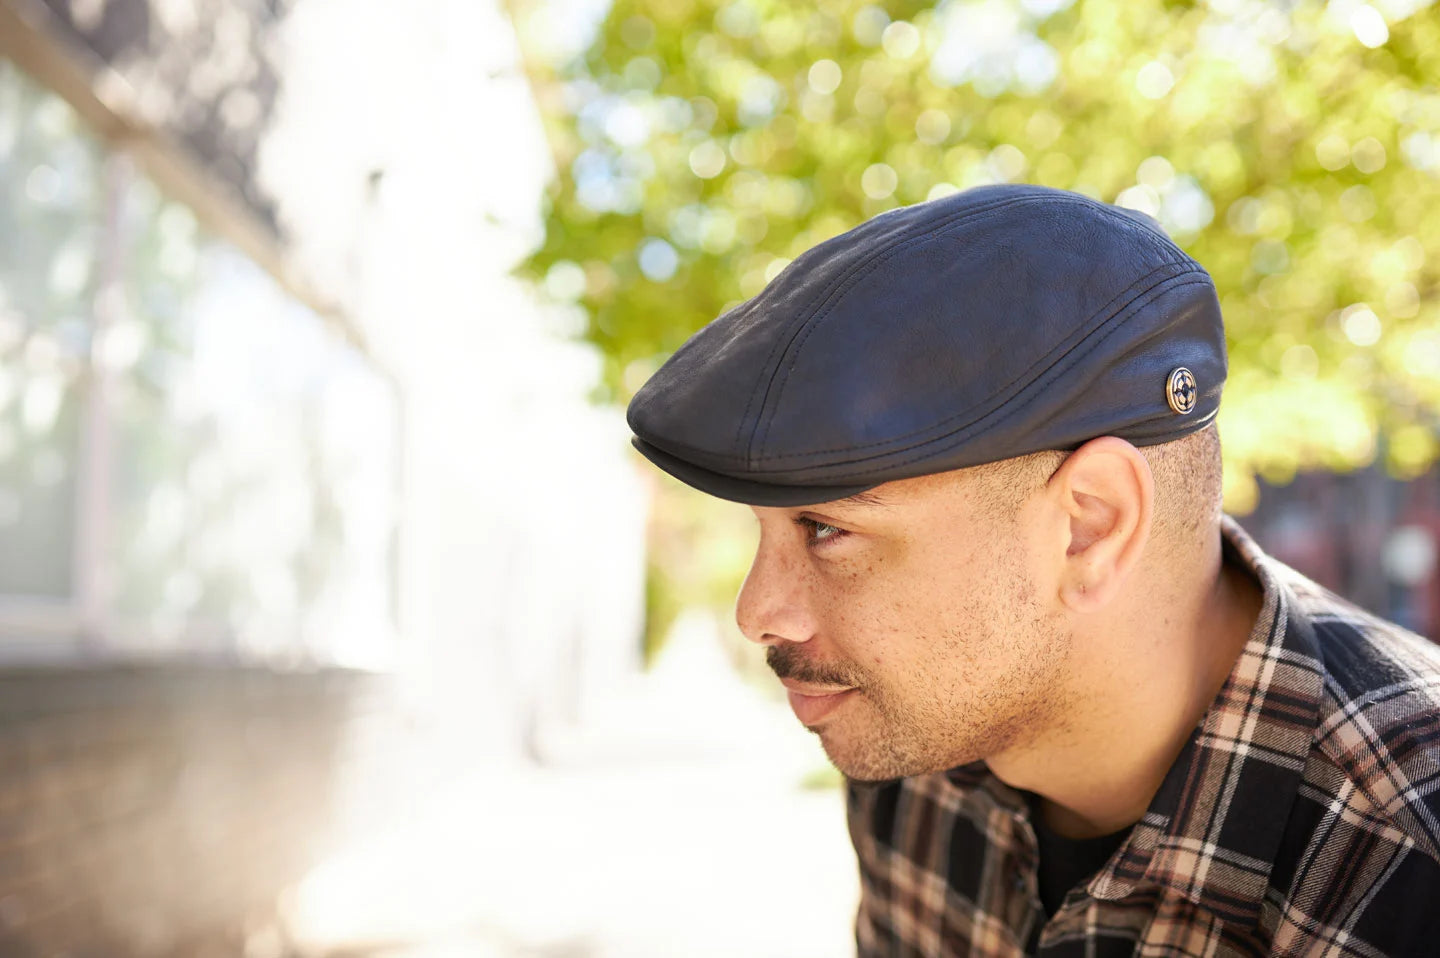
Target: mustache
789, 662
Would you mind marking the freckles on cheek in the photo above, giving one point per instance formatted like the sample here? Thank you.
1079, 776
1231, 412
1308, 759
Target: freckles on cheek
858, 599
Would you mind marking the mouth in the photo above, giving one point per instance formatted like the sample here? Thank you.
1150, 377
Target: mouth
811, 702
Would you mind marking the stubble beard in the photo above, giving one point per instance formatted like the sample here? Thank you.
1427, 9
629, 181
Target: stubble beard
887, 733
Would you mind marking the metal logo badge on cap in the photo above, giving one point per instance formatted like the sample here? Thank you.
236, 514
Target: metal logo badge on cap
1180, 390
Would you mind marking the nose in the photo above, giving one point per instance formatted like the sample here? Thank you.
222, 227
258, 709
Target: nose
773, 605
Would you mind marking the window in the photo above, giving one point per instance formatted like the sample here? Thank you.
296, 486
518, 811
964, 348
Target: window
191, 461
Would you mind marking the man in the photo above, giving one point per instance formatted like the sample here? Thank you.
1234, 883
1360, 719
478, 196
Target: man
1080, 711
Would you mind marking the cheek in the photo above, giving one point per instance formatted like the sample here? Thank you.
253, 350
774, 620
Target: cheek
855, 602
914, 612
888, 624
947, 620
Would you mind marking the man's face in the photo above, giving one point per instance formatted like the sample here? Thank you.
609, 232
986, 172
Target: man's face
911, 624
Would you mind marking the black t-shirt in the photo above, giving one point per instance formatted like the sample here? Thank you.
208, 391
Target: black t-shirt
1067, 862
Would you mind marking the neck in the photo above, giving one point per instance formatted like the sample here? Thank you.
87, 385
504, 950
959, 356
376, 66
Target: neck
1142, 679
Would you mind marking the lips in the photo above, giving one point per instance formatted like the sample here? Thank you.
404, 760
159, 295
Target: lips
811, 703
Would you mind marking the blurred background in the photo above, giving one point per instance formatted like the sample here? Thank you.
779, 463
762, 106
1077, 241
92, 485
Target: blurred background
336, 616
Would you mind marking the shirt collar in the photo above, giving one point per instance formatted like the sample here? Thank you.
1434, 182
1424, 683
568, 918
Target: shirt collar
1213, 830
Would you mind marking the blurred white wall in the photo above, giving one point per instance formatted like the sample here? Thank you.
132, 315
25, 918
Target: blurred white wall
412, 139
670, 818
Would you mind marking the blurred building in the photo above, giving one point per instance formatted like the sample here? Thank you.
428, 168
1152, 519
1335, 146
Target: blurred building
1364, 535
289, 467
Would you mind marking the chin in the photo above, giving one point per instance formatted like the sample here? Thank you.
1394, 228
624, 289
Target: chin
885, 758
869, 780
876, 763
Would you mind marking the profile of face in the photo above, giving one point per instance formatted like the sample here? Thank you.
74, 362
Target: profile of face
915, 627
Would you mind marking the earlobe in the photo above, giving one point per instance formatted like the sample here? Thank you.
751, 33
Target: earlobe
1107, 492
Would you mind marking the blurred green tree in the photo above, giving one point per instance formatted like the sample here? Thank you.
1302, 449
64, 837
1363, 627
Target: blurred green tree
1292, 149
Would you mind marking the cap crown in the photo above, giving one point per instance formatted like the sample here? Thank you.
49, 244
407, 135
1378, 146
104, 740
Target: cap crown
988, 324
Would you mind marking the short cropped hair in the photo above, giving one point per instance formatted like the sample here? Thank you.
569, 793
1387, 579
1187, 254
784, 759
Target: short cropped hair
1187, 474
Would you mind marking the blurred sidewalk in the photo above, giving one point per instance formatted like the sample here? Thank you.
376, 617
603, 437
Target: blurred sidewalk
673, 823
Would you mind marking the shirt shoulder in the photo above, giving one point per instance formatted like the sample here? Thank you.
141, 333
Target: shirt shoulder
1359, 864
1379, 722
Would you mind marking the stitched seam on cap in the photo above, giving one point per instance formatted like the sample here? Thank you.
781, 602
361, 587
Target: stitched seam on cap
740, 483
835, 293
813, 322
841, 284
805, 314
1109, 311
1084, 349
1007, 413
703, 458
719, 461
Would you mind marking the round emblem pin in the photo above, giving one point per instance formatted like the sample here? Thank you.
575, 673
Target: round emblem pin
1180, 390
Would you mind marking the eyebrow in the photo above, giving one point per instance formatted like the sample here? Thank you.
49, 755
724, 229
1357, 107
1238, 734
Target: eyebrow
865, 499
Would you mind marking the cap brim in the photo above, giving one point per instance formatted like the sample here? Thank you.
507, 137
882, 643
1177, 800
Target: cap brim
747, 491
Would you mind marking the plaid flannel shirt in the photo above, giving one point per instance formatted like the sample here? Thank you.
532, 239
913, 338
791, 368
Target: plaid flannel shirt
1302, 817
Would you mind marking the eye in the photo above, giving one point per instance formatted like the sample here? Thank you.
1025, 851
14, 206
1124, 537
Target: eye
817, 531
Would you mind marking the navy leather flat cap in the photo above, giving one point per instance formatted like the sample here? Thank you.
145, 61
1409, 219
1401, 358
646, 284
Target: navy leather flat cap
992, 323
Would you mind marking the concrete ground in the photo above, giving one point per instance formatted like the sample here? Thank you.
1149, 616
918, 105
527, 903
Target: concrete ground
672, 823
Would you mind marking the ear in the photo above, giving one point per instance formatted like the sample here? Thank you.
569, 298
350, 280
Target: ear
1106, 490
